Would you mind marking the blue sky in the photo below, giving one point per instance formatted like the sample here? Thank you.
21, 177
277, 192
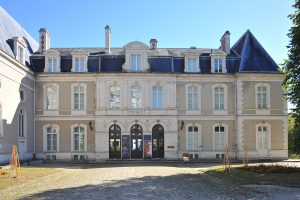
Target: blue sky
75, 23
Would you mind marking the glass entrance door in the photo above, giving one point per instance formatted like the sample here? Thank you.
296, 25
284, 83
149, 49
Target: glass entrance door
136, 141
158, 141
114, 142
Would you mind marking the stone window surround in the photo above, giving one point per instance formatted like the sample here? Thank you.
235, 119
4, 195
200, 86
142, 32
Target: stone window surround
79, 54
199, 136
268, 133
225, 136
223, 111
19, 43
45, 137
24, 124
263, 111
218, 55
133, 83
192, 54
78, 111
72, 137
51, 111
108, 95
52, 54
164, 92
136, 48
198, 96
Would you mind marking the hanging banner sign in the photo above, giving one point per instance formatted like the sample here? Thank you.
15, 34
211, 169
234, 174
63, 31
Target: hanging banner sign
125, 146
147, 146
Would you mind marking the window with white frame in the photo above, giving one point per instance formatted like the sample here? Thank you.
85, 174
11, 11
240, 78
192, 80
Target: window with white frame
51, 97
114, 97
22, 123
193, 137
262, 96
218, 65
157, 97
79, 97
51, 138
79, 138
52, 64
192, 97
79, 64
136, 96
219, 137
219, 98
135, 62
262, 137
192, 65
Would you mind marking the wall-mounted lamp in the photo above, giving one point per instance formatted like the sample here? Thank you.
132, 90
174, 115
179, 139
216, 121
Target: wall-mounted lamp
91, 125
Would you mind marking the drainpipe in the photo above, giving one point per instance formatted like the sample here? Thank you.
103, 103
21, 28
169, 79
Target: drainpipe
34, 142
235, 113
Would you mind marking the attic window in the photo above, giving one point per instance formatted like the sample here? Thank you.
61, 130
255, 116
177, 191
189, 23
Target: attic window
20, 54
218, 65
218, 62
19, 49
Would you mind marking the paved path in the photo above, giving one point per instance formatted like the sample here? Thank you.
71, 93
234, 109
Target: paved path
119, 181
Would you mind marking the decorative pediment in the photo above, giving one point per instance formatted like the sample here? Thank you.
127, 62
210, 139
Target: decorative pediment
192, 53
136, 45
52, 52
218, 53
79, 52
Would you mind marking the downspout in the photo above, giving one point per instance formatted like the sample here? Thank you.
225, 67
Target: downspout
235, 113
34, 142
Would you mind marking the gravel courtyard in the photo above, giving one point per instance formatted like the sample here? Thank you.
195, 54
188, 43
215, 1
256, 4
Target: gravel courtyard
141, 181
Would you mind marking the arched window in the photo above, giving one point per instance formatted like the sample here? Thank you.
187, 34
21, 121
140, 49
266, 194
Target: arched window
157, 97
136, 96
220, 137
219, 98
79, 138
192, 97
51, 134
193, 137
22, 123
262, 96
51, 97
22, 95
114, 96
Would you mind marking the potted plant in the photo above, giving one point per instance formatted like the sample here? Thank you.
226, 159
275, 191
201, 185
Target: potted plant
185, 156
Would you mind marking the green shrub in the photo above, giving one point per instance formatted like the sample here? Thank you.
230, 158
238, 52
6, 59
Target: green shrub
272, 168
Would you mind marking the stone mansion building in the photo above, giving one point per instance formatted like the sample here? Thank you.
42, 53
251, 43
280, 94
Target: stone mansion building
138, 101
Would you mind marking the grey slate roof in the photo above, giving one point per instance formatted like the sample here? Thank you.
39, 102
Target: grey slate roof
9, 28
254, 58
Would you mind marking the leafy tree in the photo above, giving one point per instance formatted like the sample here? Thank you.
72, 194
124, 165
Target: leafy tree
292, 72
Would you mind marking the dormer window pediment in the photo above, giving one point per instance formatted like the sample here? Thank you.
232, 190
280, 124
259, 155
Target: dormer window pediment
79, 61
52, 61
191, 62
218, 62
136, 57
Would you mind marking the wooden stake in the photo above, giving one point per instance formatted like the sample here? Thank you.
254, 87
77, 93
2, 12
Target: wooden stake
226, 164
246, 156
15, 163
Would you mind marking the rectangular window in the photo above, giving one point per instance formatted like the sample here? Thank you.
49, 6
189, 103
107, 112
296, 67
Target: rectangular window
218, 65
262, 97
51, 142
114, 97
262, 138
136, 96
79, 64
219, 98
135, 62
79, 139
191, 65
79, 97
157, 97
192, 98
193, 138
51, 98
219, 138
52, 65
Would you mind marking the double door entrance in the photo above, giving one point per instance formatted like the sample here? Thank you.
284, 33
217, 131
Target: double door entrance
132, 146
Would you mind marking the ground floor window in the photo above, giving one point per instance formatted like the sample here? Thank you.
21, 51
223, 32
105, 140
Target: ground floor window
262, 137
193, 137
79, 138
219, 137
51, 133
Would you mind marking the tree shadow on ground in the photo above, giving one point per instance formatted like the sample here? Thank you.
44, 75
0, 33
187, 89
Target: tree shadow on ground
181, 186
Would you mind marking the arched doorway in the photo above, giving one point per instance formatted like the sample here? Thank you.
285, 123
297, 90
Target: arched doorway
114, 142
158, 150
136, 133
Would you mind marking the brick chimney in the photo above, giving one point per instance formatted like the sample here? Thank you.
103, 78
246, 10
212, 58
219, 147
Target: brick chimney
44, 40
107, 39
153, 44
225, 42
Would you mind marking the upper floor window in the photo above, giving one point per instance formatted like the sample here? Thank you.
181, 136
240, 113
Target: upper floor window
22, 123
52, 65
157, 97
135, 62
51, 96
79, 64
79, 138
220, 137
20, 54
51, 138
136, 96
79, 60
114, 97
218, 65
192, 97
79, 96
192, 66
193, 137
219, 98
262, 96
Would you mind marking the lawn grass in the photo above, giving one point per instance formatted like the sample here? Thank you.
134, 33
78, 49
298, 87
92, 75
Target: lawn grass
240, 176
28, 174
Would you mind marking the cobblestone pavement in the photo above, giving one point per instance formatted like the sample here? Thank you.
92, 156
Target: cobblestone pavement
136, 181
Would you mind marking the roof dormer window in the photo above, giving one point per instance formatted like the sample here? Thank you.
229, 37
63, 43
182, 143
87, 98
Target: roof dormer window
52, 61
79, 64
136, 57
191, 59
79, 61
218, 62
19, 49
